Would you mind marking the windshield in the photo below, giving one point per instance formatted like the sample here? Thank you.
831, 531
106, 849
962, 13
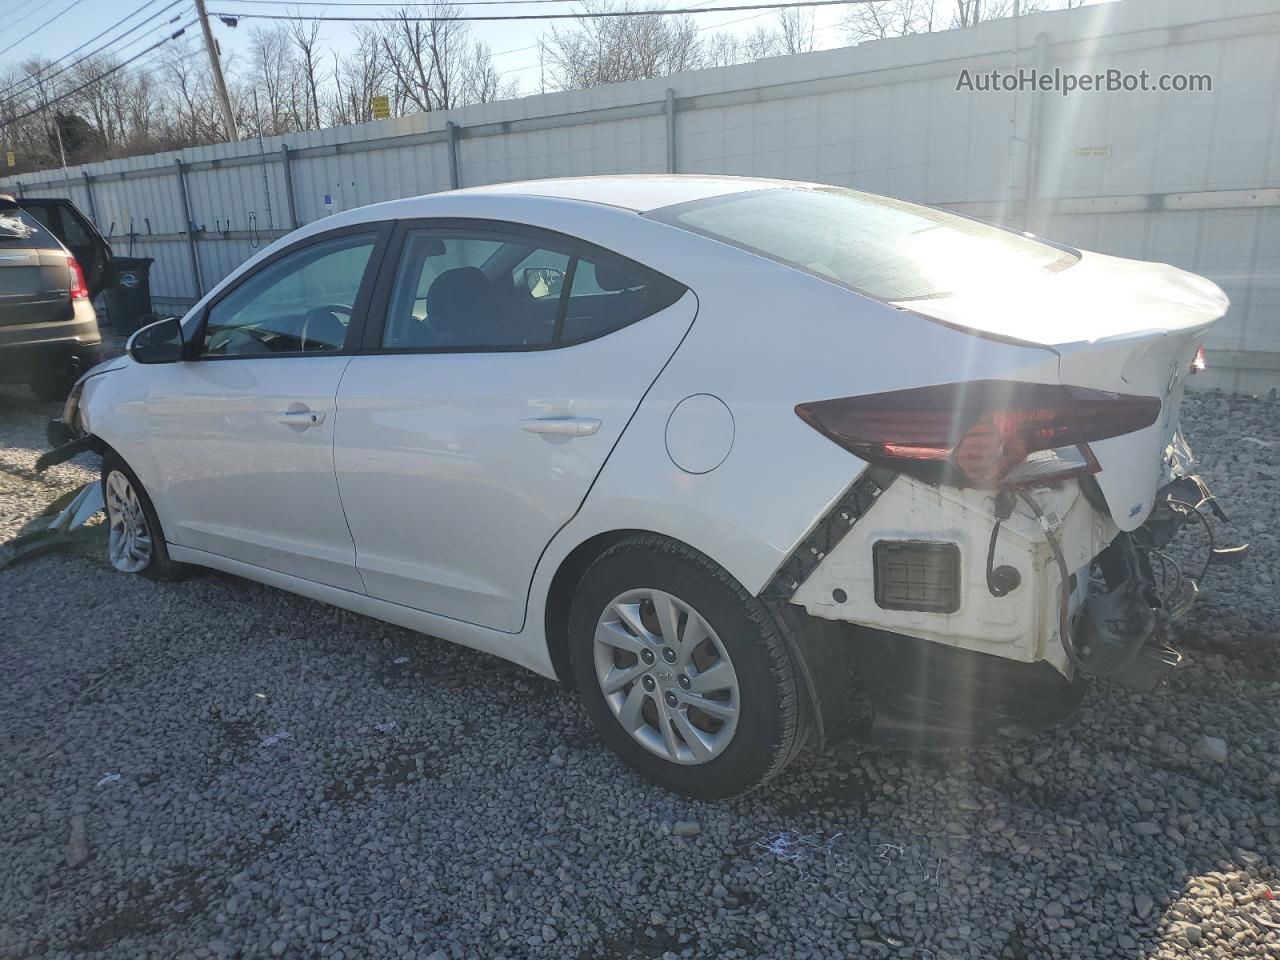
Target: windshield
888, 249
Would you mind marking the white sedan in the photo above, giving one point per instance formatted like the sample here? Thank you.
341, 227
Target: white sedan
728, 456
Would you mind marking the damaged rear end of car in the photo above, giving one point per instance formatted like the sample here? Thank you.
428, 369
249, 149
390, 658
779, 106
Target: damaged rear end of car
1005, 537
1027, 521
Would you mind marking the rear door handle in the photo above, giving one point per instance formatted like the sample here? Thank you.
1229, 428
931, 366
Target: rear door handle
561, 426
301, 417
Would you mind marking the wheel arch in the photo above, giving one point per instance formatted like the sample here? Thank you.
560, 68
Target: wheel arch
564, 584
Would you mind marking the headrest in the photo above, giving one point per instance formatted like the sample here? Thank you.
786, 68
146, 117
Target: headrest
612, 279
459, 298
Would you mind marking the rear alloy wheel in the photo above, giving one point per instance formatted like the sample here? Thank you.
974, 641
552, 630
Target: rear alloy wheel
135, 540
683, 671
666, 676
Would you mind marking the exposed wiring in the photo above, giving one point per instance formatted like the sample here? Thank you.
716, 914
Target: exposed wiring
1064, 606
1185, 508
1005, 503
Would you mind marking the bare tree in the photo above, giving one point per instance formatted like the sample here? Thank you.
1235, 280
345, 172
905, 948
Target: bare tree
721, 49
615, 49
424, 57
899, 18
305, 36
196, 117
358, 78
274, 75
795, 30
482, 82
894, 18
434, 64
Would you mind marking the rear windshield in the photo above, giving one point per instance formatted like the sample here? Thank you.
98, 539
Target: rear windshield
13, 225
19, 229
888, 249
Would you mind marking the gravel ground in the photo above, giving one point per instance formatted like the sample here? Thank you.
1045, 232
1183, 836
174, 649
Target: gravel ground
218, 769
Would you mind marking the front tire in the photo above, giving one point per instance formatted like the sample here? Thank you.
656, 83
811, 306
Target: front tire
135, 539
683, 672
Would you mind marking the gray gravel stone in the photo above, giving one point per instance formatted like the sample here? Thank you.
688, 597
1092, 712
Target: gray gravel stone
1213, 748
77, 850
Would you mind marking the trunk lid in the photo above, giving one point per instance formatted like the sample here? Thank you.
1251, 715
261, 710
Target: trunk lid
1119, 325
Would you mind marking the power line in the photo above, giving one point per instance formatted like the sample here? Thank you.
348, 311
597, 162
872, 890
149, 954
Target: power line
37, 79
67, 9
592, 15
21, 7
100, 77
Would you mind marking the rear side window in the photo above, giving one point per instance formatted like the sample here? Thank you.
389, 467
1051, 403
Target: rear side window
888, 249
607, 296
479, 289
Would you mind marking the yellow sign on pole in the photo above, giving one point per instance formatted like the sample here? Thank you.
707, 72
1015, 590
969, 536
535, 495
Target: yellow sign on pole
12, 158
381, 107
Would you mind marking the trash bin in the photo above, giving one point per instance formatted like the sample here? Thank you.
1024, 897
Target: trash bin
129, 293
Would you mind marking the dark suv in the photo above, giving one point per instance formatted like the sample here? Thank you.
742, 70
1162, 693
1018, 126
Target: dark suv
52, 264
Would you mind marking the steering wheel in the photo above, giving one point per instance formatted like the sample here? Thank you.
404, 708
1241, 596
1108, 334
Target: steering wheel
318, 327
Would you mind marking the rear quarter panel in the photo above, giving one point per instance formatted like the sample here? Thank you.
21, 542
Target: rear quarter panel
765, 339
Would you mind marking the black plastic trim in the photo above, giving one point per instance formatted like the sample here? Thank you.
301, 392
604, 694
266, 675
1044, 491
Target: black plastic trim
827, 533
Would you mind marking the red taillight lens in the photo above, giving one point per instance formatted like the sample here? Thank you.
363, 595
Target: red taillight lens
79, 289
977, 433
1198, 363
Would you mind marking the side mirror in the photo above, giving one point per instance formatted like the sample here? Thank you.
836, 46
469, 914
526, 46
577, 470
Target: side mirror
159, 342
543, 281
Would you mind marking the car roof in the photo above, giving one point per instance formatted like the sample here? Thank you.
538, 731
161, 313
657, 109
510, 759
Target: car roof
639, 192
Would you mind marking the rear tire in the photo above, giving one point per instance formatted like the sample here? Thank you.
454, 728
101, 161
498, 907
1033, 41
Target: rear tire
653, 712
135, 539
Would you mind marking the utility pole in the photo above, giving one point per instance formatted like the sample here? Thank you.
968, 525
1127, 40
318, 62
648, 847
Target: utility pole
219, 84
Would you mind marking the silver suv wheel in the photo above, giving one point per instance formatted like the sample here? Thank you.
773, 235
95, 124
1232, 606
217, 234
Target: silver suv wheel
666, 676
129, 541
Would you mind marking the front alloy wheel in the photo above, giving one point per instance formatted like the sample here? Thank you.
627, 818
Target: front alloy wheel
129, 542
135, 540
666, 676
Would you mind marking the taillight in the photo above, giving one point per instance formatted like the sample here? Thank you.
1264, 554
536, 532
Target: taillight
79, 289
1198, 363
985, 433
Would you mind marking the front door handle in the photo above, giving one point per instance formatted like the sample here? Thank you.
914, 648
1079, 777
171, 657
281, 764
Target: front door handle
301, 417
561, 426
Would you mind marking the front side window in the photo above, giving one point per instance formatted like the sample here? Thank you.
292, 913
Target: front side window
478, 290
889, 249
301, 303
